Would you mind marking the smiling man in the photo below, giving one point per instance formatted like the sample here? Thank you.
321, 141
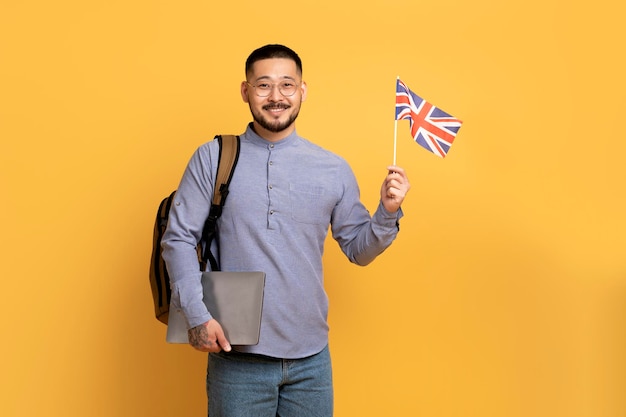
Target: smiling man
277, 91
284, 195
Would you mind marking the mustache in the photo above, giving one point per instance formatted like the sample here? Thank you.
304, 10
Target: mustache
276, 106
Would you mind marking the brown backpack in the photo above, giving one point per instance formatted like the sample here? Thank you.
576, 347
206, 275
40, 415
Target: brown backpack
159, 278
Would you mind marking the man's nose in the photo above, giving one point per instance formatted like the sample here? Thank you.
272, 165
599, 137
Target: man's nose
275, 94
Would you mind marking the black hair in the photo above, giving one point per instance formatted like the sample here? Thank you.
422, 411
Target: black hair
273, 51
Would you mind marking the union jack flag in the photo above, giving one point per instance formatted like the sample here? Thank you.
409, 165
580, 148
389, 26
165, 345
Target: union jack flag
431, 127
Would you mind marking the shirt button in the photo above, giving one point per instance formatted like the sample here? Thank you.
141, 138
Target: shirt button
271, 211
270, 187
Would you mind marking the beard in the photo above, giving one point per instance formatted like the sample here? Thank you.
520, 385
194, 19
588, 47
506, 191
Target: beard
275, 125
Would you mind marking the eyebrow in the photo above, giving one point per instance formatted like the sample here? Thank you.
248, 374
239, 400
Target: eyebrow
267, 77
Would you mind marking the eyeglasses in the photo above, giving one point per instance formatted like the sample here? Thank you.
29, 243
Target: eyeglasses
263, 88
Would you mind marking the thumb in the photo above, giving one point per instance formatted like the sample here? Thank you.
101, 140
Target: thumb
223, 342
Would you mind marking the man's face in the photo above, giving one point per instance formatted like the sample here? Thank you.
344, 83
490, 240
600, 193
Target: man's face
275, 114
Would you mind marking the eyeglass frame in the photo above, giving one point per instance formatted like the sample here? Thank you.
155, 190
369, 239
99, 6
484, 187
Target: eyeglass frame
256, 91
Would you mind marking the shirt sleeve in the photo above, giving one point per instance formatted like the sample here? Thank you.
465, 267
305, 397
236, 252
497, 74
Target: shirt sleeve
362, 237
188, 213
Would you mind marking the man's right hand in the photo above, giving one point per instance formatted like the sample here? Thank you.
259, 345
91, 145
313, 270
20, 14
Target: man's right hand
208, 337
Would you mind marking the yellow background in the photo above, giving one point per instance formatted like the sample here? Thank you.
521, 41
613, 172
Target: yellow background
505, 292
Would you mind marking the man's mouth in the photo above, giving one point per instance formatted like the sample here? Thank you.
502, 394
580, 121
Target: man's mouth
276, 107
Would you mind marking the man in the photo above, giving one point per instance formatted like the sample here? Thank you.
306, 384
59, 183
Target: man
284, 194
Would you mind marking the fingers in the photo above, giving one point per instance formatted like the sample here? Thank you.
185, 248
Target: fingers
208, 337
397, 184
223, 342
394, 188
395, 168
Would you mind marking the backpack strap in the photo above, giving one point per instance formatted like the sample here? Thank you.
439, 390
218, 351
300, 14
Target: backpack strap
228, 157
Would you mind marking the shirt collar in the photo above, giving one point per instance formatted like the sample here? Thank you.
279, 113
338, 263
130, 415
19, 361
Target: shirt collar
253, 137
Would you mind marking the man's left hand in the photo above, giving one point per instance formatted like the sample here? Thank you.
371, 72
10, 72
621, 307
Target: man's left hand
394, 188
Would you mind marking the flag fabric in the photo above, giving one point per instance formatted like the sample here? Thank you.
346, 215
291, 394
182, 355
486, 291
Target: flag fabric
431, 127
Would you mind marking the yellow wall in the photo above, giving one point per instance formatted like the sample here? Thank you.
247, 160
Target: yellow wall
505, 293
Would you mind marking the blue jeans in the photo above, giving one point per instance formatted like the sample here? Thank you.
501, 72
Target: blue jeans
242, 385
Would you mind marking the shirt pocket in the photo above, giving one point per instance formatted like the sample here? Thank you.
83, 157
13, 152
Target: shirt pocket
309, 204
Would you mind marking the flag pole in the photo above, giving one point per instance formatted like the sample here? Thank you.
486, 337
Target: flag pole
395, 130
395, 140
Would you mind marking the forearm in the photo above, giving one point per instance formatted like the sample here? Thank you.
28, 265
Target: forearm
185, 280
372, 237
186, 221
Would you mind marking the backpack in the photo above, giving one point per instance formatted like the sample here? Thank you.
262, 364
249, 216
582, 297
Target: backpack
159, 278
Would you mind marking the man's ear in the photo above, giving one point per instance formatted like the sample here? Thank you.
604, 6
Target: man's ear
244, 91
303, 87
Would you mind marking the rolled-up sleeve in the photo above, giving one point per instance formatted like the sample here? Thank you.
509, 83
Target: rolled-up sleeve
188, 213
361, 237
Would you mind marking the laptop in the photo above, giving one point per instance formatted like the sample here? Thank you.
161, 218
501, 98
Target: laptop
234, 299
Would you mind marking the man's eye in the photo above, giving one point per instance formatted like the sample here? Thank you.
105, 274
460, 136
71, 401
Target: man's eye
263, 86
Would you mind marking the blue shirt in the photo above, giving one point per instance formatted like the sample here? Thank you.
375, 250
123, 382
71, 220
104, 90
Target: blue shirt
283, 198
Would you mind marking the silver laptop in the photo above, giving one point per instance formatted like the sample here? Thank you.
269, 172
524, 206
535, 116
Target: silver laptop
234, 299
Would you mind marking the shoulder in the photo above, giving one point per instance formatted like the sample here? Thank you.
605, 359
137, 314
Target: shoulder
204, 158
208, 151
208, 147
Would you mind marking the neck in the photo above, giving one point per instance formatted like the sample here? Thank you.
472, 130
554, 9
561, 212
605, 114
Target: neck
273, 136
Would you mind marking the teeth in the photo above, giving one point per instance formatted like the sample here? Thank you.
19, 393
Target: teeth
275, 109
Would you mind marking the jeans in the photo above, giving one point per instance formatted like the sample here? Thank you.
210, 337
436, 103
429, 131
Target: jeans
242, 385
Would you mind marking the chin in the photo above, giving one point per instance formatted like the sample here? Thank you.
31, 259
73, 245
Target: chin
276, 125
